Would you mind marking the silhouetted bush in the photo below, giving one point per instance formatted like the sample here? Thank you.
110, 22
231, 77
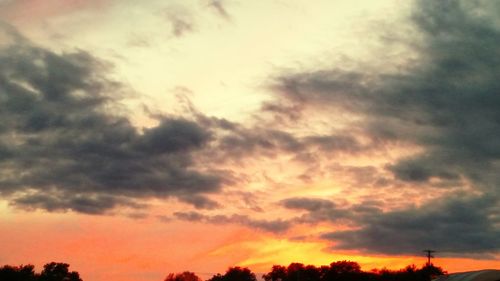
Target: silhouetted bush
336, 271
184, 276
51, 272
235, 274
18, 273
348, 271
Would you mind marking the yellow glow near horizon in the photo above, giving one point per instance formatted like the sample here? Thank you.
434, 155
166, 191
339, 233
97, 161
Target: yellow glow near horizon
283, 252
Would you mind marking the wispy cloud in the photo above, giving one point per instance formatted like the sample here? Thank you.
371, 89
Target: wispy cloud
276, 225
219, 7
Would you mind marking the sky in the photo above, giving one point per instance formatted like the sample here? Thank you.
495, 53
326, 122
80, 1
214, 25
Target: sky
140, 138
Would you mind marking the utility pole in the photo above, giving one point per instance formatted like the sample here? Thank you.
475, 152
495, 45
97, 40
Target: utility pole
429, 255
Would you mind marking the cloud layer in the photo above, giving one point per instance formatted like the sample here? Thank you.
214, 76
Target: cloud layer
66, 143
447, 104
65, 146
451, 226
459, 225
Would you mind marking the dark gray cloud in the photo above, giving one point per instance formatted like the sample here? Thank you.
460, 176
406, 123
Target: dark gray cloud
60, 201
277, 225
65, 145
251, 141
200, 202
309, 204
173, 135
457, 225
451, 226
235, 142
318, 210
246, 141
446, 103
322, 210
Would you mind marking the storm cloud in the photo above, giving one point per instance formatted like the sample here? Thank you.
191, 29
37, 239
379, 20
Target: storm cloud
457, 225
453, 226
322, 210
275, 226
446, 103
66, 146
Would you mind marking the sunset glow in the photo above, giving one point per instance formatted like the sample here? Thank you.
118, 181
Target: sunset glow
140, 138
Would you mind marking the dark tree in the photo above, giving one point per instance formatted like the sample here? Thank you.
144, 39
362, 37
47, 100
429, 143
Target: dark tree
299, 272
18, 273
344, 267
429, 271
217, 277
239, 274
184, 276
343, 270
278, 273
347, 271
235, 274
58, 272
311, 273
295, 271
410, 273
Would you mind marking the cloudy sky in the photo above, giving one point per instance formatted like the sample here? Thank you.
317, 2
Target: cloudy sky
145, 137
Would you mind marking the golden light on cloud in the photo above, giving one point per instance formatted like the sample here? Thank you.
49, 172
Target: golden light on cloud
283, 252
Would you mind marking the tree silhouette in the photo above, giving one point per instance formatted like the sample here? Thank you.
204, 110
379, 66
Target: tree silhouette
344, 270
58, 272
345, 267
235, 274
294, 271
347, 271
18, 273
51, 272
217, 277
429, 271
278, 273
300, 272
184, 276
341, 270
336, 271
410, 273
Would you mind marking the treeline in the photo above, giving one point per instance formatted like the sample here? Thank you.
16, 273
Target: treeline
51, 272
336, 271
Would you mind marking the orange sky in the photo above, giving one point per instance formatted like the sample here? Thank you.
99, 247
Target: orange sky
119, 248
